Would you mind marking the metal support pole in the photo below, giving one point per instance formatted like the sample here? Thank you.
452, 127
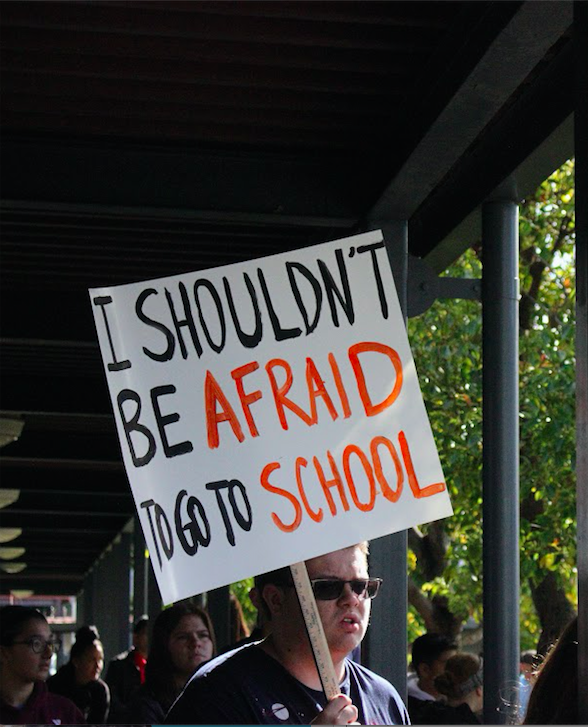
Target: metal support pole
140, 571
385, 644
154, 602
220, 612
581, 149
500, 294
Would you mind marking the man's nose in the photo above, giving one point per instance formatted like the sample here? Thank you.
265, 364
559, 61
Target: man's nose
348, 595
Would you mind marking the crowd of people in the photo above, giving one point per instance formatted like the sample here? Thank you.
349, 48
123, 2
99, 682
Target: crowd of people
173, 674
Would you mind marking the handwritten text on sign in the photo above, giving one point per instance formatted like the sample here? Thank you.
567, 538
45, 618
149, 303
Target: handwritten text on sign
268, 411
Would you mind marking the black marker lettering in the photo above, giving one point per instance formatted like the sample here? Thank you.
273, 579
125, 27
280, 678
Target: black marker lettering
280, 333
249, 340
102, 301
202, 282
381, 292
331, 288
167, 354
188, 321
146, 505
168, 547
199, 535
133, 425
226, 485
318, 294
163, 420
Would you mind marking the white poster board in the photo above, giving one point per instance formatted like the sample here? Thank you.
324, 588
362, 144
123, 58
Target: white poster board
268, 412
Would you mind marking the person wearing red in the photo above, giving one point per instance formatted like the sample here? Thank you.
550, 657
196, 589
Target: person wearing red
126, 673
26, 647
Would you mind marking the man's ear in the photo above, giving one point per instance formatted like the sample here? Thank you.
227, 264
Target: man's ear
424, 670
273, 597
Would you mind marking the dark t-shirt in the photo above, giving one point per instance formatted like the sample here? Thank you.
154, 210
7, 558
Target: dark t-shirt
42, 707
250, 687
440, 713
93, 698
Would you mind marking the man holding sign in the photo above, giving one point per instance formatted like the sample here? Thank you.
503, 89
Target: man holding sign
276, 681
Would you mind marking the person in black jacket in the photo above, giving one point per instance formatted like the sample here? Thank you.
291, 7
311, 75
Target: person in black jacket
461, 686
429, 656
182, 640
554, 697
126, 672
79, 679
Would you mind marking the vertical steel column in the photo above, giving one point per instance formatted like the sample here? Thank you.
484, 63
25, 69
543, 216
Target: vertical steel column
154, 602
112, 605
140, 572
581, 149
386, 645
500, 306
219, 608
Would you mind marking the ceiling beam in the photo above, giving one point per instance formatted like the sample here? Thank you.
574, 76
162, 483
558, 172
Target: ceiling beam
523, 43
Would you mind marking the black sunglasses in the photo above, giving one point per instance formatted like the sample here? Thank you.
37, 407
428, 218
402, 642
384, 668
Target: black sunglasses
329, 589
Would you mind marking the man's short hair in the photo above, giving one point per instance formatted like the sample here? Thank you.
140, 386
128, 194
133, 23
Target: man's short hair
283, 576
428, 648
529, 657
141, 625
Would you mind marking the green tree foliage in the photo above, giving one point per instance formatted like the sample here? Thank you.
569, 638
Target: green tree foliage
446, 560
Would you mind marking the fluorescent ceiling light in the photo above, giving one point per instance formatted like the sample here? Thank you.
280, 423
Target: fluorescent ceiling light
21, 593
11, 553
12, 567
8, 534
8, 497
10, 430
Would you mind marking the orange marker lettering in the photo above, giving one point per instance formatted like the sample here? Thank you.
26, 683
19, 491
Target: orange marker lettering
412, 478
316, 387
354, 351
387, 491
327, 484
247, 399
264, 478
318, 515
347, 452
213, 394
340, 387
280, 392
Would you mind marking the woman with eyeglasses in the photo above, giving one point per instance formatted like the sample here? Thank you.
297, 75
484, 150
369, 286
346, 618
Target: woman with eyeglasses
182, 640
79, 679
26, 647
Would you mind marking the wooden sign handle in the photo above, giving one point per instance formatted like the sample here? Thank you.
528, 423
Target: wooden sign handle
314, 627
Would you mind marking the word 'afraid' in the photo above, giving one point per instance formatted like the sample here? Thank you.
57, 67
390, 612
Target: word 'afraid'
218, 408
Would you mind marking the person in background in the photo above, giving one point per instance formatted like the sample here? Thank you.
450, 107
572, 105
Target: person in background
554, 696
182, 640
527, 675
276, 680
430, 653
460, 684
26, 647
239, 629
126, 672
79, 679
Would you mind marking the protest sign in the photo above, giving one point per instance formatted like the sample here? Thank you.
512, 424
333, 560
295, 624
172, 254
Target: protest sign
268, 411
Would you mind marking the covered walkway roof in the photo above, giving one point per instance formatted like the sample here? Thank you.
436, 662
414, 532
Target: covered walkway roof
141, 139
